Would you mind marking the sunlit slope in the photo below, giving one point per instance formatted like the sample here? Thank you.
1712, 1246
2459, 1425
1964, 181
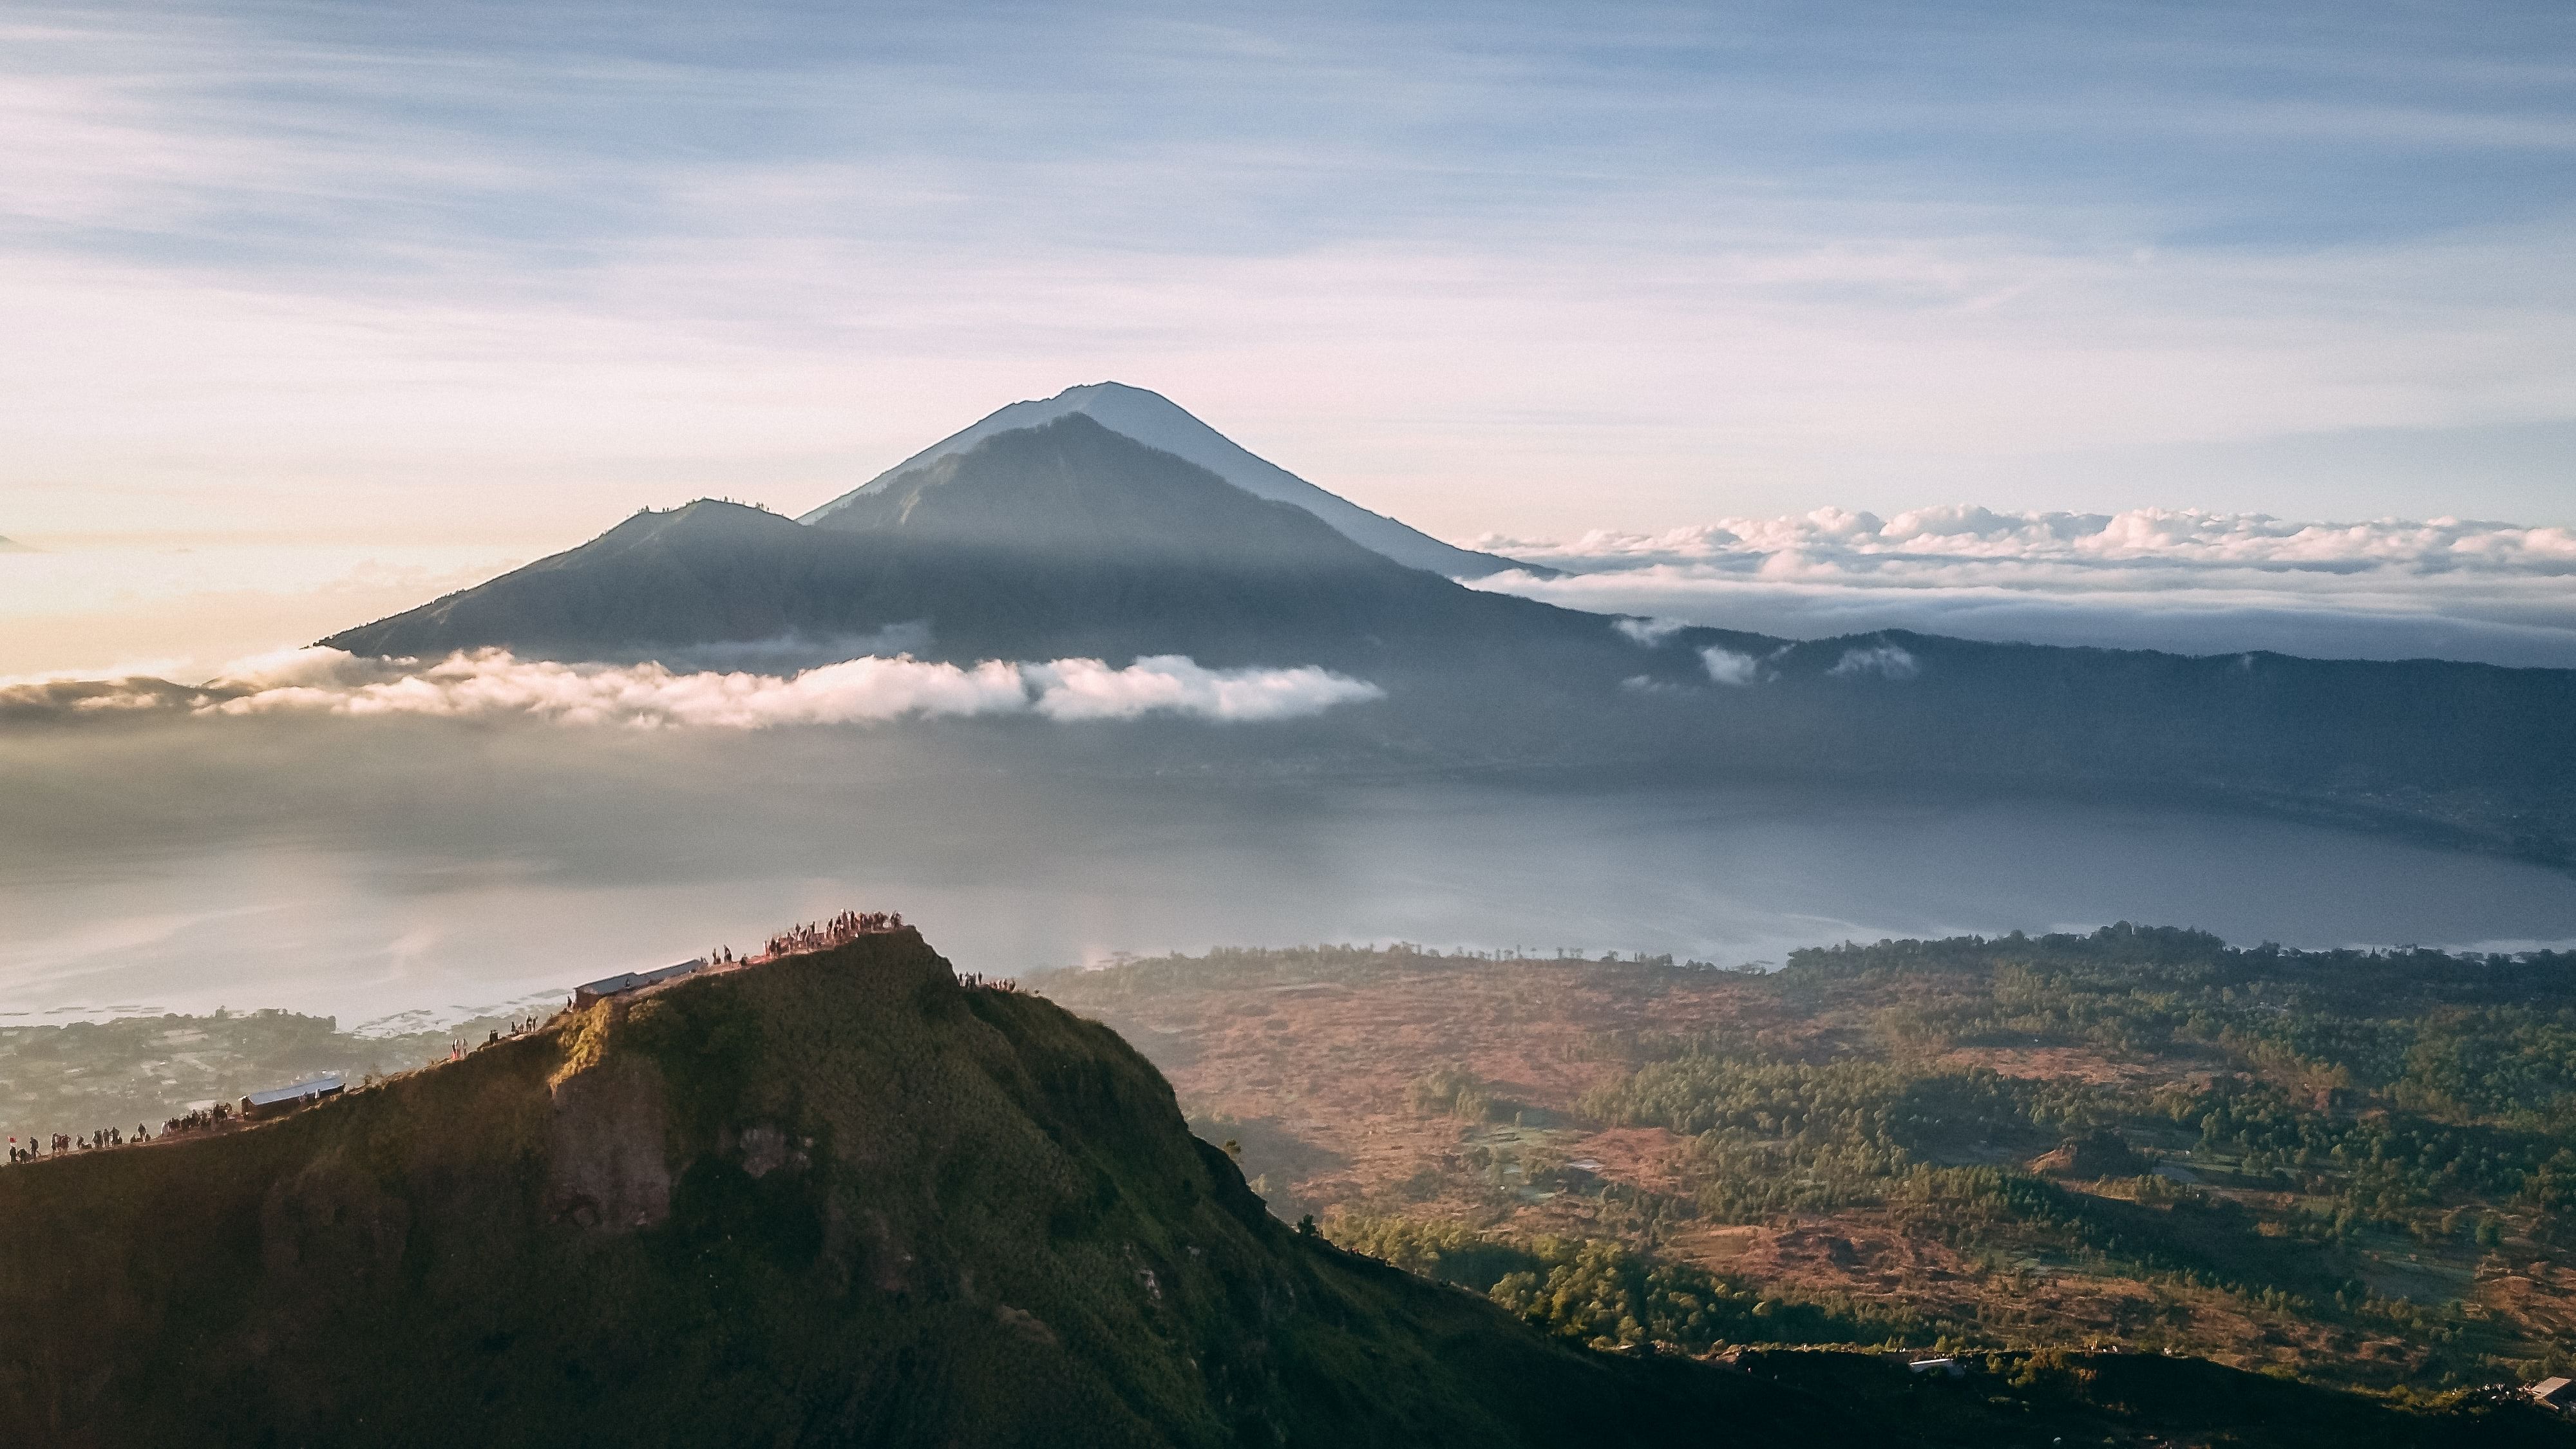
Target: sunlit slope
836, 1200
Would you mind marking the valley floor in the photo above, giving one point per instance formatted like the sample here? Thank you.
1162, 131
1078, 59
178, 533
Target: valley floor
2354, 1169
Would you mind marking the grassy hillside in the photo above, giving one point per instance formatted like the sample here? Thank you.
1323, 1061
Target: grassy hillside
838, 1199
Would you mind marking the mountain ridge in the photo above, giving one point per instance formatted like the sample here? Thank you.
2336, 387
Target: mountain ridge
835, 1198
845, 1198
1063, 539
1157, 422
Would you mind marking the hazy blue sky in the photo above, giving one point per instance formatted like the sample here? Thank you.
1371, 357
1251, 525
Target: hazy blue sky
496, 274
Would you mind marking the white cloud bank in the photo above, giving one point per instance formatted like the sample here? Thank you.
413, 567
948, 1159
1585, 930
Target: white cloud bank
1728, 667
2157, 578
493, 684
1952, 535
1887, 660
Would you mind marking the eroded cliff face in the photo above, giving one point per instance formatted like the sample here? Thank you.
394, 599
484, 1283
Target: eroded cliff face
607, 1144
834, 1199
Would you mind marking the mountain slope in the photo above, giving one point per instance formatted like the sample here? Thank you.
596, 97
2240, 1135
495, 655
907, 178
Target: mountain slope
1158, 422
1063, 539
836, 1199
704, 572
1072, 540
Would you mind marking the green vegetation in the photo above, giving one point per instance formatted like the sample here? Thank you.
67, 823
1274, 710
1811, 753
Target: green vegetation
2355, 1168
1461, 1094
839, 1199
2387, 1083
842, 1199
2329, 1103
1608, 1296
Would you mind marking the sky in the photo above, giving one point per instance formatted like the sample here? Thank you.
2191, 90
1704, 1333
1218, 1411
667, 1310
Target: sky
415, 292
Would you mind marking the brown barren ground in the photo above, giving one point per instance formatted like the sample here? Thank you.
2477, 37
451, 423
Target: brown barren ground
1310, 1081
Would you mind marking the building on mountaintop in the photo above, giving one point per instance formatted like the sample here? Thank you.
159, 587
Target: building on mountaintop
619, 985
278, 1101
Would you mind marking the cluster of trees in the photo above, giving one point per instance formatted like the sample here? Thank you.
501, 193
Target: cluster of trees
1610, 1296
2382, 1104
2462, 1036
1774, 1136
1458, 1092
2383, 1093
2391, 1082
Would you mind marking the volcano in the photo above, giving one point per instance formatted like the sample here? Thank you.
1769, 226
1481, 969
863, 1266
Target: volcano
1060, 539
1159, 423
1045, 533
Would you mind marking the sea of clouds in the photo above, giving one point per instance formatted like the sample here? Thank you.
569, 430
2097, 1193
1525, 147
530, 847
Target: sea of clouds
2178, 579
494, 684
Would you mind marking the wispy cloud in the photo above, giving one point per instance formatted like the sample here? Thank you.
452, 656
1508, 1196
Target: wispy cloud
1947, 536
539, 261
2175, 579
1726, 666
1888, 661
494, 685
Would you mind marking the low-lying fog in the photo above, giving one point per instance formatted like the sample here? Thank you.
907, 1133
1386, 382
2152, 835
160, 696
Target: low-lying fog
366, 868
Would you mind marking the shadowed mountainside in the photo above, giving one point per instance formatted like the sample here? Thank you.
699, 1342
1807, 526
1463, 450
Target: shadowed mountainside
838, 1199
845, 1199
1061, 540
1157, 422
1071, 540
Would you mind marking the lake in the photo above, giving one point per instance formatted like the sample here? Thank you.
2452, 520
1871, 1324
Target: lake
375, 872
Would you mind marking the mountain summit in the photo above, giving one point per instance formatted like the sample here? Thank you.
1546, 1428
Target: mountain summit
1067, 538
1059, 539
1159, 423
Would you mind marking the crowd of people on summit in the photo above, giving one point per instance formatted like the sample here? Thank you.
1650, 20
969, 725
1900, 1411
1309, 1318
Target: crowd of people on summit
795, 941
842, 929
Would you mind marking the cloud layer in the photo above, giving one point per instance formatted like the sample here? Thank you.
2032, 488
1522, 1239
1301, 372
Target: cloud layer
1946, 537
493, 684
2181, 579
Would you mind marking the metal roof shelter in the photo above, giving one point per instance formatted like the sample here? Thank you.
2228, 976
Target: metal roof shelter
589, 992
286, 1099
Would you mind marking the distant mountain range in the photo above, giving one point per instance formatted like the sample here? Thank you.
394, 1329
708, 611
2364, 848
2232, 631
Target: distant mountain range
1043, 532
